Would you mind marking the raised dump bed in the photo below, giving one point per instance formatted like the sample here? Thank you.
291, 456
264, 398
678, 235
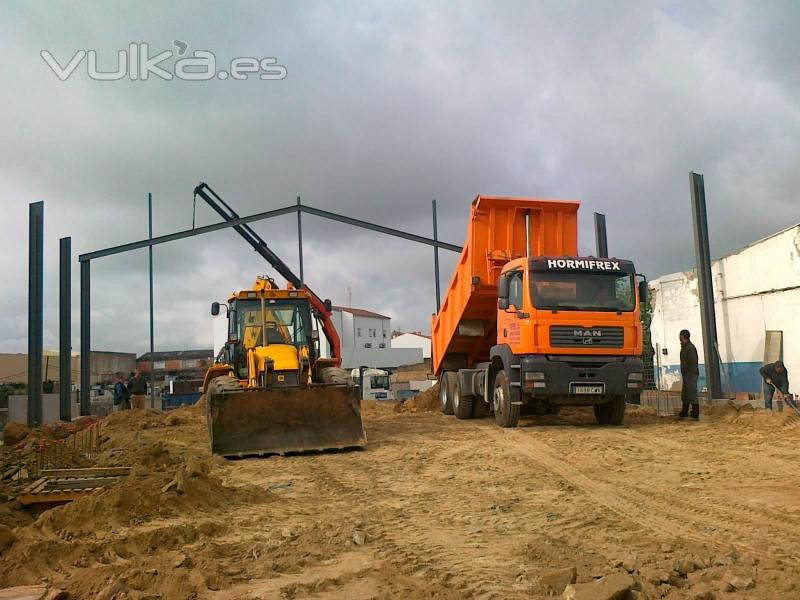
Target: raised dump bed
465, 328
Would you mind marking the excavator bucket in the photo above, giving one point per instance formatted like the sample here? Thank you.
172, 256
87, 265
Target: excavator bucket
282, 420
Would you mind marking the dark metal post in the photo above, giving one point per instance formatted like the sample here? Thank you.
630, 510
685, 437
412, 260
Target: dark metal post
601, 236
65, 329
705, 284
300, 239
436, 258
150, 252
35, 311
86, 363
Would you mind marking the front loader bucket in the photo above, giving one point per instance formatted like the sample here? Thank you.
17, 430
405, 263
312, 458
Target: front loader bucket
277, 421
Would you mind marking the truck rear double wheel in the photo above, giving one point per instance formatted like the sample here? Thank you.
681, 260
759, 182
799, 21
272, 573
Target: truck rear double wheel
612, 412
445, 392
462, 403
506, 414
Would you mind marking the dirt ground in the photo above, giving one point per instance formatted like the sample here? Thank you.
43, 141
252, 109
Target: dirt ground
434, 508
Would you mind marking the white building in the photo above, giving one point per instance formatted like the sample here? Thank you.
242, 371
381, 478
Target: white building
366, 340
757, 300
413, 340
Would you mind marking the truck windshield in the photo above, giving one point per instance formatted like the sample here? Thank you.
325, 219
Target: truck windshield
610, 292
379, 382
283, 322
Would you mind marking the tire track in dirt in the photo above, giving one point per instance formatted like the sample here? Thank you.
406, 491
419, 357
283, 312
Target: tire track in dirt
657, 517
787, 523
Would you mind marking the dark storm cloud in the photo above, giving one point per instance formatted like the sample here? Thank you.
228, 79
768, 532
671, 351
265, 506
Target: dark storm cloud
385, 107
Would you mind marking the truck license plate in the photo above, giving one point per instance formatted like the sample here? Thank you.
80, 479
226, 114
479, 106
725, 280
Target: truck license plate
588, 389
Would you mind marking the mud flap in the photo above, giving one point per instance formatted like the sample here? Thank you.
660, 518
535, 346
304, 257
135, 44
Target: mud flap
278, 421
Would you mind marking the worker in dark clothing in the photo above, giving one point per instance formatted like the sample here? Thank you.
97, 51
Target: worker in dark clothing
690, 371
777, 378
137, 386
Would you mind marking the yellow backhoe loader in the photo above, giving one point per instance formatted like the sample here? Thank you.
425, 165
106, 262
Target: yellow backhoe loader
269, 390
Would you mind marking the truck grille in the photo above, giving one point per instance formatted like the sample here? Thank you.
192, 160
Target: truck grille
567, 336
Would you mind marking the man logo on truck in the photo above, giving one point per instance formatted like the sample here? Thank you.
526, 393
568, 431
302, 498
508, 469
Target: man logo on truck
587, 333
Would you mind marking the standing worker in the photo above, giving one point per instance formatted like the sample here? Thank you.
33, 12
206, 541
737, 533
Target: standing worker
138, 389
690, 371
122, 397
777, 378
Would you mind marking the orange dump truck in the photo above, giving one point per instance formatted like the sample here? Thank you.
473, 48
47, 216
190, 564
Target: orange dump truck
528, 326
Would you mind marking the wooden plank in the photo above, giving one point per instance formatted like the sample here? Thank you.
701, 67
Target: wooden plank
33, 487
59, 497
77, 484
108, 471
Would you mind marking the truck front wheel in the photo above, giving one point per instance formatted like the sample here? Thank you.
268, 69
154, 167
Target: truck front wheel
506, 414
612, 412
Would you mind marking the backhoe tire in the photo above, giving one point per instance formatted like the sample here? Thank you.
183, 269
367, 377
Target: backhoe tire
462, 403
505, 413
335, 375
612, 412
445, 394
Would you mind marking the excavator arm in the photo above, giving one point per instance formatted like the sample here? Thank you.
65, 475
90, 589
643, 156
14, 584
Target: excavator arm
321, 309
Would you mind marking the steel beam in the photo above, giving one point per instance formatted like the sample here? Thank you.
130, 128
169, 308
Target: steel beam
300, 240
708, 318
601, 236
35, 311
86, 362
65, 328
436, 260
379, 228
260, 217
150, 253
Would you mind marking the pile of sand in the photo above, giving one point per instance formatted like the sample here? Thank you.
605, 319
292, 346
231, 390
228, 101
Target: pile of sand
16, 433
427, 401
746, 414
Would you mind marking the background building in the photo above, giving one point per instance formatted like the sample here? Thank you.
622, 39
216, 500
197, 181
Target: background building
181, 364
366, 340
103, 364
757, 299
414, 339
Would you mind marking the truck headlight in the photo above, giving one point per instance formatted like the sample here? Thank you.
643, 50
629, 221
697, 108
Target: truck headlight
635, 376
534, 376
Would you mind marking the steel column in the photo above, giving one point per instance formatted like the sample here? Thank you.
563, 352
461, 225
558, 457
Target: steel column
65, 328
705, 284
86, 363
436, 259
601, 236
35, 311
150, 252
300, 239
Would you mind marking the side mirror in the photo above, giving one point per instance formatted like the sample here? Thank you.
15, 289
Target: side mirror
214, 308
643, 292
502, 292
328, 305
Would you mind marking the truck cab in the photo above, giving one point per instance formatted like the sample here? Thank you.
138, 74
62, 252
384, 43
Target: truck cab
569, 333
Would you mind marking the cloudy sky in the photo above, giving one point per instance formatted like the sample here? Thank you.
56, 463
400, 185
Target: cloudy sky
385, 106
